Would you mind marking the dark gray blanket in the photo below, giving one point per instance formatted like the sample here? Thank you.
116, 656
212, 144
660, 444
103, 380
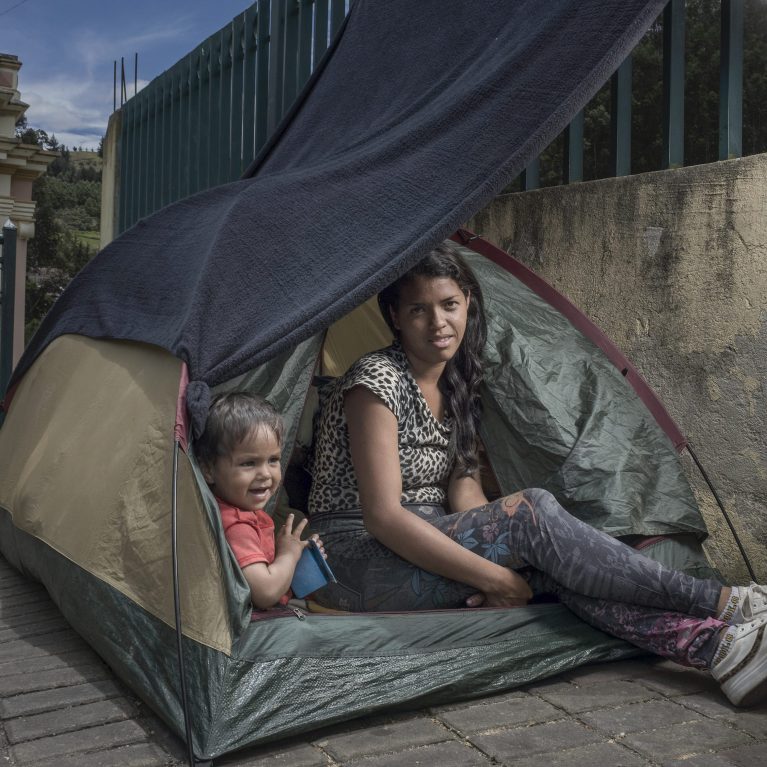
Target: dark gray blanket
422, 114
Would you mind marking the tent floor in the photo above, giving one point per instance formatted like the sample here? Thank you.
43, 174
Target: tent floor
59, 704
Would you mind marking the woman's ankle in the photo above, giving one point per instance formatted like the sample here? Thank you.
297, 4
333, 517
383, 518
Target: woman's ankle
727, 604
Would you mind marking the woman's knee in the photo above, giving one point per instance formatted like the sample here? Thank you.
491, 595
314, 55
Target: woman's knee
535, 499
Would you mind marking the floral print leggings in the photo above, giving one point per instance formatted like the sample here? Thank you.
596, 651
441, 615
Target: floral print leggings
602, 580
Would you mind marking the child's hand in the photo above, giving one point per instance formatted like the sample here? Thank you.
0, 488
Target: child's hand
288, 540
316, 538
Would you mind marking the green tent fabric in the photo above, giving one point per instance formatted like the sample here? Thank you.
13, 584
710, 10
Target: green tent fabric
280, 672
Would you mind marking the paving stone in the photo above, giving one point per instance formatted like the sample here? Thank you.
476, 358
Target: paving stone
637, 717
682, 740
57, 677
107, 736
37, 617
594, 755
672, 679
135, 755
22, 649
24, 598
527, 710
45, 662
49, 700
576, 699
68, 719
449, 754
631, 670
161, 736
702, 760
303, 755
750, 720
747, 756
11, 588
11, 611
548, 685
515, 743
37, 628
396, 736
514, 695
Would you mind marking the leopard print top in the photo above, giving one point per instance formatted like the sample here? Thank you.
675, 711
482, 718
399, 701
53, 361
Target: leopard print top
423, 441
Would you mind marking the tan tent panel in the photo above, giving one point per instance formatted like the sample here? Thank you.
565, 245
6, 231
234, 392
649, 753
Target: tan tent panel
97, 417
362, 330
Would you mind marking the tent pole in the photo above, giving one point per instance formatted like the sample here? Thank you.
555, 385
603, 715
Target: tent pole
177, 608
722, 509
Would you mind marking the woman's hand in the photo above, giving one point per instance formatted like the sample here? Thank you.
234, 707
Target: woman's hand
513, 591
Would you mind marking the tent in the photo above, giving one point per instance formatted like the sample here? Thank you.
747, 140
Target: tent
418, 115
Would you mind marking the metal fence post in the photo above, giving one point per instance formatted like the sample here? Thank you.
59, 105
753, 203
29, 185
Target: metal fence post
731, 81
620, 119
673, 84
7, 301
572, 154
531, 175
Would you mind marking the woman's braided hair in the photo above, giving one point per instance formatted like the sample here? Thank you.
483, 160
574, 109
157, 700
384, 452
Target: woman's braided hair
462, 376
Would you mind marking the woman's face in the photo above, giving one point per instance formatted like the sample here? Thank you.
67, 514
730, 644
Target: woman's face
431, 318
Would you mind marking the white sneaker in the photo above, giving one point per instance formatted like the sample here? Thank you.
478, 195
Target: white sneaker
745, 604
753, 601
740, 664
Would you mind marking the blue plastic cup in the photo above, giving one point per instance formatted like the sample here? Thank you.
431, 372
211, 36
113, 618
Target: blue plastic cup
312, 572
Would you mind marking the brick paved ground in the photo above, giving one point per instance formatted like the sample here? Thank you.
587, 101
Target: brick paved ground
66, 709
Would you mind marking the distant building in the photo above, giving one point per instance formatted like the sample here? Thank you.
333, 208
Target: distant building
20, 165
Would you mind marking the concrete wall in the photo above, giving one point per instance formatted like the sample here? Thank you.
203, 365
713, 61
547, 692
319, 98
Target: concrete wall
673, 266
110, 180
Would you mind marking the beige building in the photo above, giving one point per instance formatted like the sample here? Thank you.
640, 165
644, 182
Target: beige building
20, 165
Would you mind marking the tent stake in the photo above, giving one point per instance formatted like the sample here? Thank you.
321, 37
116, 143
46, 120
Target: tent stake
177, 609
722, 509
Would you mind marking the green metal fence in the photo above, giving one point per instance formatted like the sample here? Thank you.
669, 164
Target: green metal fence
203, 121
730, 100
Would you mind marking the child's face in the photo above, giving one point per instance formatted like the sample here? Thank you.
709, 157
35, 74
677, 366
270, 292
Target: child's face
251, 474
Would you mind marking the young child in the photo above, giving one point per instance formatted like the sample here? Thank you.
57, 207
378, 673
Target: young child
239, 454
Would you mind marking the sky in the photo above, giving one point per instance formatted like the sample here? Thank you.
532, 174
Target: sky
67, 50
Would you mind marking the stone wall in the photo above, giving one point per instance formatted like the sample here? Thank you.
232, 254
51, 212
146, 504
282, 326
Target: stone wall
673, 267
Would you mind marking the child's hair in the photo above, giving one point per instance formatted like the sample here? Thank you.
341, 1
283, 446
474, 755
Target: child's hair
231, 418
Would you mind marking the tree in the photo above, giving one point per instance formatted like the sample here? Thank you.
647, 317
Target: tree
68, 199
29, 135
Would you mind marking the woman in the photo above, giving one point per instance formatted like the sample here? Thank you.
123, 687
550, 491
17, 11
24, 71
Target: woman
397, 499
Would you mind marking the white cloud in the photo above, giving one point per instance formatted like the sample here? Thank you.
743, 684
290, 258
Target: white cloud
76, 106
73, 110
73, 98
94, 49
